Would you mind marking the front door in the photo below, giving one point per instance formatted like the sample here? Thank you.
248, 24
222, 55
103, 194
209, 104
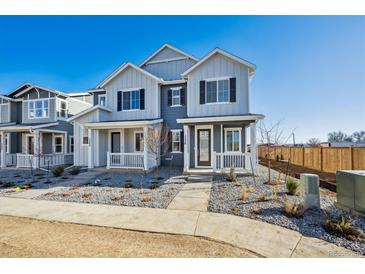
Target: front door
30, 142
204, 144
115, 142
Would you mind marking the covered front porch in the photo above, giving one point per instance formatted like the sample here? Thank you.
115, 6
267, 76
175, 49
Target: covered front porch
122, 144
216, 144
34, 146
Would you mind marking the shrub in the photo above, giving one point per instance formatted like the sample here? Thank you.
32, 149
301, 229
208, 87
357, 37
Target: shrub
256, 210
263, 198
75, 170
146, 199
235, 209
342, 227
291, 209
87, 195
117, 198
8, 184
292, 186
154, 186
244, 194
128, 184
57, 171
231, 176
26, 186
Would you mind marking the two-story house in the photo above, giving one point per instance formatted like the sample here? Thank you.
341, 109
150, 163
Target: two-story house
203, 104
33, 126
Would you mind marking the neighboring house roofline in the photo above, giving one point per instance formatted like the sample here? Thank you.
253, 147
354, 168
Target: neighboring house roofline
123, 67
86, 111
170, 47
224, 53
31, 86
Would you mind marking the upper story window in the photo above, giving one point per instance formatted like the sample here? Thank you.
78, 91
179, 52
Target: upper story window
102, 100
63, 109
233, 139
131, 99
176, 97
217, 91
38, 109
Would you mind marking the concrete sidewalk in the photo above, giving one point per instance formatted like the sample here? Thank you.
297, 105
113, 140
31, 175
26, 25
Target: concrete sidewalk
262, 238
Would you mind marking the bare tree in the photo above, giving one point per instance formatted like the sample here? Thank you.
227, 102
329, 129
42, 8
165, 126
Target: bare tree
339, 136
313, 142
359, 136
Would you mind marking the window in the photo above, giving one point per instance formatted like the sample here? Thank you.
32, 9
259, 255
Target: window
233, 140
63, 109
38, 109
71, 144
217, 91
58, 144
175, 99
131, 100
138, 142
176, 140
102, 100
85, 136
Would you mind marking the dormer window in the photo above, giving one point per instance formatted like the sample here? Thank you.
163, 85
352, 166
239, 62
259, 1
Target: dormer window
38, 109
102, 100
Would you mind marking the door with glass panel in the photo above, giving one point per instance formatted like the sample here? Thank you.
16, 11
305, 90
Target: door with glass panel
204, 145
115, 148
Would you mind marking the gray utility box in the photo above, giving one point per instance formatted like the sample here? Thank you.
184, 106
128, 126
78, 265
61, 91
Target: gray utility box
350, 187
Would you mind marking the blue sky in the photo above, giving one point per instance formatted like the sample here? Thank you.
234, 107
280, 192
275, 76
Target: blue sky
310, 69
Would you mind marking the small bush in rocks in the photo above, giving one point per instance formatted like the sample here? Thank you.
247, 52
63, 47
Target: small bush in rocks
75, 170
154, 186
292, 186
244, 194
117, 198
291, 209
26, 186
235, 209
87, 195
231, 176
57, 171
263, 198
8, 184
343, 227
256, 210
146, 198
128, 184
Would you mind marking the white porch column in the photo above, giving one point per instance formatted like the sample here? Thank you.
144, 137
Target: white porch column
186, 147
253, 145
90, 159
145, 148
37, 148
3, 150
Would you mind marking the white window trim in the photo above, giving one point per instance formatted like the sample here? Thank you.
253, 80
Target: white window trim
130, 99
180, 143
172, 96
54, 143
33, 100
69, 144
216, 80
102, 95
134, 141
240, 139
82, 136
59, 108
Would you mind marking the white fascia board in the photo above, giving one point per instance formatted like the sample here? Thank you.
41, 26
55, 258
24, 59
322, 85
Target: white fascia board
173, 82
43, 88
119, 124
170, 47
9, 98
96, 90
86, 111
79, 101
224, 53
123, 67
75, 94
23, 127
220, 119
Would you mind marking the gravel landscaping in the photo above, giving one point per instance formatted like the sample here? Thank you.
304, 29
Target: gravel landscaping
154, 190
226, 198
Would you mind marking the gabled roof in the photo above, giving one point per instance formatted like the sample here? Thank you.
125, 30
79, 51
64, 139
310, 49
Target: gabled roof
123, 67
170, 47
224, 53
28, 86
88, 110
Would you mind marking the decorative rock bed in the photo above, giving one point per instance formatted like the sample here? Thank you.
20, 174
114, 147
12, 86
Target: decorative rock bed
226, 198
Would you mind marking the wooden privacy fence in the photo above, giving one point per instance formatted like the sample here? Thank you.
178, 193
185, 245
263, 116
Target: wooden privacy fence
327, 159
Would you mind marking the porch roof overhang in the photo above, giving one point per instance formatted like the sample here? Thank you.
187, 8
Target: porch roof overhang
25, 128
122, 124
221, 119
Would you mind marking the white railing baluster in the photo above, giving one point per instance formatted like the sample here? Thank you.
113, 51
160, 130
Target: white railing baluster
125, 160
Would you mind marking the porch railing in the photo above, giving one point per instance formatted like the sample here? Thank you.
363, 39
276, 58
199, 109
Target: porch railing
51, 160
10, 159
125, 160
228, 160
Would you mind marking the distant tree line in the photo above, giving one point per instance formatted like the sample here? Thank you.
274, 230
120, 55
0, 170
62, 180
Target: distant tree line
339, 136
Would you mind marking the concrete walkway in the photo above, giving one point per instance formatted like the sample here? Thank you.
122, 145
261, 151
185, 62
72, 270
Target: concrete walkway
193, 196
262, 238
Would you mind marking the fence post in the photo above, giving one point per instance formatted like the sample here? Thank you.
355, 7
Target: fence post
303, 156
321, 158
351, 151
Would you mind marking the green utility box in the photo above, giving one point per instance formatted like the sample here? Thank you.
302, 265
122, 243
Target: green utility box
350, 187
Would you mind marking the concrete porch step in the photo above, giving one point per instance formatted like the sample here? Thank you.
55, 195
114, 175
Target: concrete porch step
199, 178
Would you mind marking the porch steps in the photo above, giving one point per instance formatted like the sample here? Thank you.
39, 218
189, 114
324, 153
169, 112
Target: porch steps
199, 178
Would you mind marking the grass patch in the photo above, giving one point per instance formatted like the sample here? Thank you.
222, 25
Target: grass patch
292, 186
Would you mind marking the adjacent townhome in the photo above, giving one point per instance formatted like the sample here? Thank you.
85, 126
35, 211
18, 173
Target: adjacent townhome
34, 131
203, 104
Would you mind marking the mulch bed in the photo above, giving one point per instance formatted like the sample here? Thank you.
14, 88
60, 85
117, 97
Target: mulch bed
327, 180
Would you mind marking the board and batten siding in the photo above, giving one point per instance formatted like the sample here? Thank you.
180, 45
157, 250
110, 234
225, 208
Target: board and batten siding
4, 111
75, 106
171, 70
128, 79
218, 66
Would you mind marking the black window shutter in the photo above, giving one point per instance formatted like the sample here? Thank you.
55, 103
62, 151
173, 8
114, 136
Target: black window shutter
169, 141
202, 92
232, 90
119, 101
182, 96
169, 97
182, 141
141, 99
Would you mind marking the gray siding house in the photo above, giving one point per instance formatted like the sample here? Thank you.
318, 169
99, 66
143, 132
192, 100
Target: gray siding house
171, 109
33, 126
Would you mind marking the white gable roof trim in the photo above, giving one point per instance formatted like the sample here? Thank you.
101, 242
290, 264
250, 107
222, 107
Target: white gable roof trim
38, 87
123, 67
224, 53
86, 111
170, 47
